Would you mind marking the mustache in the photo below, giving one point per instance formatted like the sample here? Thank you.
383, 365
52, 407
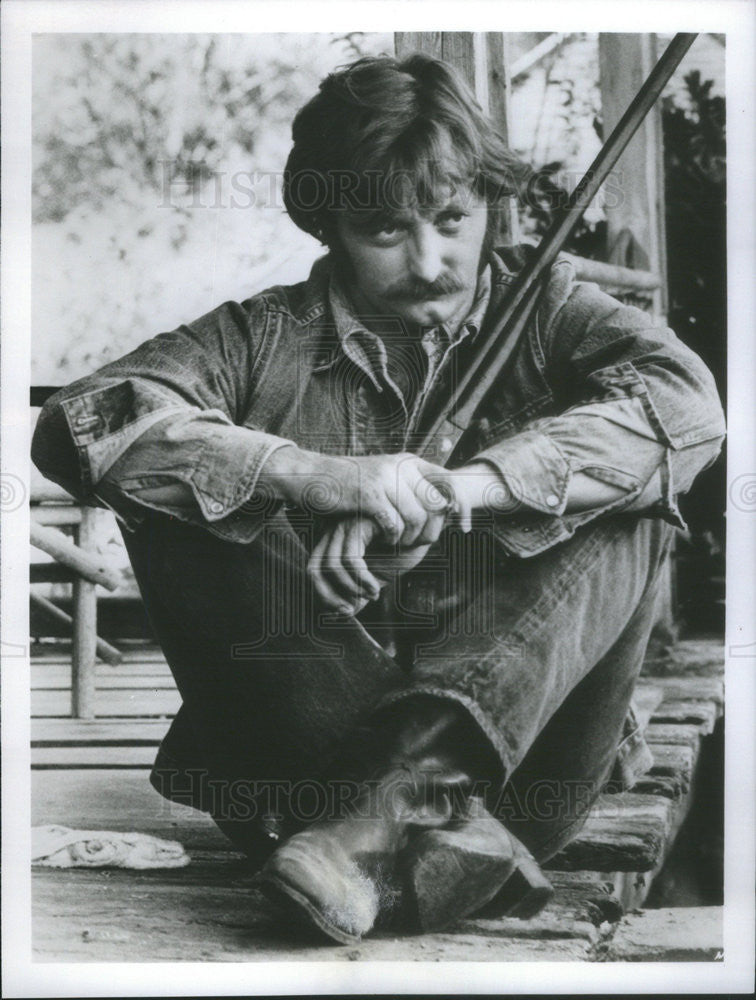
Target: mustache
419, 290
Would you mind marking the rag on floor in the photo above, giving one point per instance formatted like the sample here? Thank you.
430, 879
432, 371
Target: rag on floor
61, 847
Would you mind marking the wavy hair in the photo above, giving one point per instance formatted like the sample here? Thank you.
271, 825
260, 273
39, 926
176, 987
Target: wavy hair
383, 135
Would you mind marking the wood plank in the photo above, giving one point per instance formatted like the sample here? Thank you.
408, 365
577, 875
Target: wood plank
135, 654
210, 902
624, 832
681, 934
688, 658
54, 674
82, 732
671, 773
118, 800
692, 689
582, 902
60, 680
118, 757
699, 713
594, 892
83, 916
155, 702
660, 732
552, 923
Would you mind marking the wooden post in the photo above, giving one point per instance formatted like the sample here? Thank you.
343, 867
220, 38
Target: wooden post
84, 630
635, 214
480, 58
635, 210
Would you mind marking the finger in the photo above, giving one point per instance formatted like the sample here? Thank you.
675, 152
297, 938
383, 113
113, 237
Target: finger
389, 520
413, 514
433, 528
323, 588
335, 571
434, 489
464, 517
354, 560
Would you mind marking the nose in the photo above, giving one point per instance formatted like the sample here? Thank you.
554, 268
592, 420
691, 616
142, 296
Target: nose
425, 252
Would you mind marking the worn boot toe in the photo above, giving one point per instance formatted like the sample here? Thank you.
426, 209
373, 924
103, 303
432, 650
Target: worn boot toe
327, 886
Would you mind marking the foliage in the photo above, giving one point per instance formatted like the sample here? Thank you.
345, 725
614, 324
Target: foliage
147, 206
156, 185
696, 199
695, 167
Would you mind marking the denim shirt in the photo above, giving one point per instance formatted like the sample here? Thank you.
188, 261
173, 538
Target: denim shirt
593, 387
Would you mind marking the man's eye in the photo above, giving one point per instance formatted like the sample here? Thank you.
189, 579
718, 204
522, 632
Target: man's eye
451, 219
385, 232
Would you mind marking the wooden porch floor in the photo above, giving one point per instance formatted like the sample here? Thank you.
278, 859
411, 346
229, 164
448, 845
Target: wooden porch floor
93, 775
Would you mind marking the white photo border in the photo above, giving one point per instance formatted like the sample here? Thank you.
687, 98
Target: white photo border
22, 977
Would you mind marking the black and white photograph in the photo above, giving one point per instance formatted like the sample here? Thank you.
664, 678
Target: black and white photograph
378, 498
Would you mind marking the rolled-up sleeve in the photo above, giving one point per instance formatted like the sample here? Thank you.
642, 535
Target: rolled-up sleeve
167, 414
639, 411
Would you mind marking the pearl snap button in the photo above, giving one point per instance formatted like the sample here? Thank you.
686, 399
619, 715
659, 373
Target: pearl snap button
552, 500
216, 507
446, 445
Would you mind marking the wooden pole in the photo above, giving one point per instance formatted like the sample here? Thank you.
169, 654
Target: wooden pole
635, 205
61, 548
83, 682
635, 222
106, 652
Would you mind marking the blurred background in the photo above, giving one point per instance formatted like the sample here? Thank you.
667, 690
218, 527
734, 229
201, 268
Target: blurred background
156, 196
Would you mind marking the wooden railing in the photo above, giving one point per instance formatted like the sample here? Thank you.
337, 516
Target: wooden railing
75, 562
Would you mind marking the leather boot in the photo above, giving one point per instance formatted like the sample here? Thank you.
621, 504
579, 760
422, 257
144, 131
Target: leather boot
341, 873
413, 851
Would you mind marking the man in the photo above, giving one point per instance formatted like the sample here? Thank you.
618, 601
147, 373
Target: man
433, 668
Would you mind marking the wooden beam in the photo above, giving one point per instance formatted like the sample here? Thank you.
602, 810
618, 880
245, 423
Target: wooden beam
636, 234
56, 514
637, 207
538, 52
429, 42
103, 649
84, 631
60, 547
613, 276
44, 491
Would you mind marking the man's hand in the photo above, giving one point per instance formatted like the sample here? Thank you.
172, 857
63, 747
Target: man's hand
347, 571
395, 491
343, 573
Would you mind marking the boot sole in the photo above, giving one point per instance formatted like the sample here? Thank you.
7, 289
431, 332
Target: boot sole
274, 886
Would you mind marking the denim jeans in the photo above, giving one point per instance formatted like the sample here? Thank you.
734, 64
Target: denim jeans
543, 653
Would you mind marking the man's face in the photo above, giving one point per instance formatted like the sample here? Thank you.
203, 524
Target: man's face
421, 266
